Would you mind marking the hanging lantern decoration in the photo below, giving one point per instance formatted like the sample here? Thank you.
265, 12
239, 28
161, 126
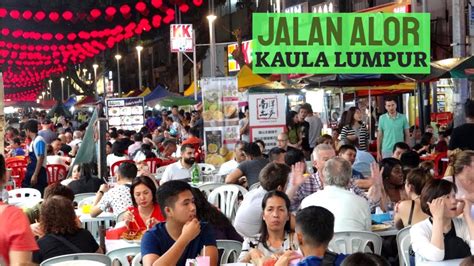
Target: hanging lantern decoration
142, 8
110, 13
39, 16
125, 10
27, 15
54, 16
67, 15
15, 14
156, 3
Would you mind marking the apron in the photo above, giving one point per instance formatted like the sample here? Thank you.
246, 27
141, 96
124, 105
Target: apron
42, 182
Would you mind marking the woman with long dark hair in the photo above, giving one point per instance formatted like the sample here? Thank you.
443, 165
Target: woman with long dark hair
207, 212
294, 133
354, 129
87, 182
393, 183
275, 236
145, 212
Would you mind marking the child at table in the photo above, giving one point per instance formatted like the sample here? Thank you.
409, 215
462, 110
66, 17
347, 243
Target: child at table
314, 230
181, 236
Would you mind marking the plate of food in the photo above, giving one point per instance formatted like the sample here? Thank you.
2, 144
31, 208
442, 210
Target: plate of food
137, 110
126, 110
380, 227
132, 236
114, 111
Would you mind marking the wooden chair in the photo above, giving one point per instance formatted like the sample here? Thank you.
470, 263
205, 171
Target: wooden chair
153, 164
56, 173
116, 165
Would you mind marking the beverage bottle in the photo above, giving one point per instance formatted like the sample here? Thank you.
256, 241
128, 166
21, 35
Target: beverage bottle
195, 175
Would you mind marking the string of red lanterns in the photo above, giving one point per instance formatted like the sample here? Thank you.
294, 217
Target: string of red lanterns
29, 65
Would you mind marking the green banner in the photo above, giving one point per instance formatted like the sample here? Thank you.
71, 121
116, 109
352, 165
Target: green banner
341, 43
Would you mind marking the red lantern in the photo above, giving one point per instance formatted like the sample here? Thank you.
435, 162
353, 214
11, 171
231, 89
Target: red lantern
95, 13
67, 15
59, 36
125, 10
141, 7
110, 11
184, 8
3, 12
197, 2
71, 36
5, 32
156, 3
54, 16
39, 16
27, 15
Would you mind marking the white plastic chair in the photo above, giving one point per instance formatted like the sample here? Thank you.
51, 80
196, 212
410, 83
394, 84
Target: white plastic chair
207, 169
403, 245
20, 195
254, 186
207, 188
89, 258
225, 197
88, 200
159, 172
137, 260
122, 254
349, 242
231, 249
79, 197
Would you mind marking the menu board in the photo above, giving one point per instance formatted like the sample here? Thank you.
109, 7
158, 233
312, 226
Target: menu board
125, 113
221, 118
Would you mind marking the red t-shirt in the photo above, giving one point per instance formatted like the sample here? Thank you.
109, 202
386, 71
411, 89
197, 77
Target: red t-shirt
15, 232
156, 214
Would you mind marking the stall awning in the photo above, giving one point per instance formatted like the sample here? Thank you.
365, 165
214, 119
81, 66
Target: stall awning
145, 92
246, 78
190, 90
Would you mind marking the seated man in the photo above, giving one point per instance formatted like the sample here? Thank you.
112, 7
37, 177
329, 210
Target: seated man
248, 218
348, 153
352, 212
118, 198
400, 148
277, 155
314, 230
181, 236
180, 170
250, 168
239, 156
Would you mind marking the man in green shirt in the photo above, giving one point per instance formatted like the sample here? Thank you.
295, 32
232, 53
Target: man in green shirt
393, 128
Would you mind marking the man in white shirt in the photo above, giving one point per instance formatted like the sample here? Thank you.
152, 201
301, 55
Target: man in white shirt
239, 156
248, 218
180, 170
352, 212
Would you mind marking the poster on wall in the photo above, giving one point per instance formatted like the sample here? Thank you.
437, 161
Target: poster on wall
267, 117
125, 113
221, 118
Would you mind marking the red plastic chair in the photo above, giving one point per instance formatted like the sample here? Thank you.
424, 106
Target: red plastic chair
167, 162
18, 166
440, 166
153, 164
117, 164
56, 173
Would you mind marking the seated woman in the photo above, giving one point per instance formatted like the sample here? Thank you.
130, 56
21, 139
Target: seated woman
87, 182
275, 237
409, 211
393, 180
75, 175
443, 236
145, 212
223, 229
63, 234
426, 144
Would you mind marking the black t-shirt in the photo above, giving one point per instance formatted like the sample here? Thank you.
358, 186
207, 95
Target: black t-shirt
85, 185
51, 247
65, 149
462, 137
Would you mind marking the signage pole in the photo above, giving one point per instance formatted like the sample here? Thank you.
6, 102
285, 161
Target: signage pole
2, 114
195, 67
180, 63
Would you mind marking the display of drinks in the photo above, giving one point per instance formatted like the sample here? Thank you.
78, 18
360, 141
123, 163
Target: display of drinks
195, 176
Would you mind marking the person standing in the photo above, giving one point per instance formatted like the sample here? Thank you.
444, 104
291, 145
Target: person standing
393, 128
315, 127
35, 176
303, 112
355, 129
461, 138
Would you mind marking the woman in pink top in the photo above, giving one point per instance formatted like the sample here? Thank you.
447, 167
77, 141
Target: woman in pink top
16, 239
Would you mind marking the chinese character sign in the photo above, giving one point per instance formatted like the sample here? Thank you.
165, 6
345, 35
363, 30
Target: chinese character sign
267, 109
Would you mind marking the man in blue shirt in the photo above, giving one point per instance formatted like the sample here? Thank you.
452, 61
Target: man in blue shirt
314, 230
348, 153
182, 236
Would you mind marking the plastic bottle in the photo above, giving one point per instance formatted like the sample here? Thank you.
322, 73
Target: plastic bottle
195, 175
